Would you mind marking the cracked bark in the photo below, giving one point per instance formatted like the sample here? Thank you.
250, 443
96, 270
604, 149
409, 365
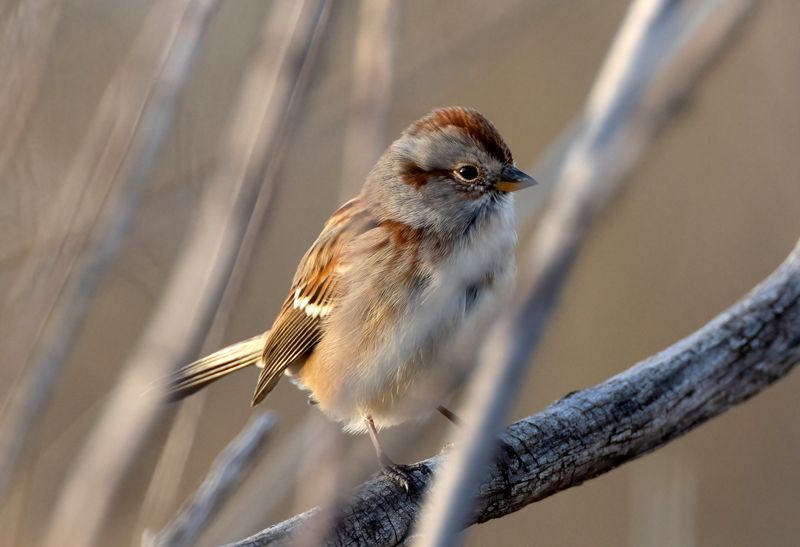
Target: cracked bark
590, 432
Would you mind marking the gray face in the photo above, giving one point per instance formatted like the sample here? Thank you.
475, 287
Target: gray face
442, 180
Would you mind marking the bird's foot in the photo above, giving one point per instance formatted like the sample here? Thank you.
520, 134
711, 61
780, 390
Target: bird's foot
403, 475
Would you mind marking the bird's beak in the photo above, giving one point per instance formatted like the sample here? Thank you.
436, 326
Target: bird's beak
512, 179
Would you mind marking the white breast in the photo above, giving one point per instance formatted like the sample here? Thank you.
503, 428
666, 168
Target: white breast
393, 383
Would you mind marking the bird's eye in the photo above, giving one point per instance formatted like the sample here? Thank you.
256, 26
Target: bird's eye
467, 172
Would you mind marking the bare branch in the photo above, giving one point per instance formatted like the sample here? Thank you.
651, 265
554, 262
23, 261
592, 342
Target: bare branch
199, 279
373, 66
268, 487
225, 473
161, 495
26, 32
738, 354
618, 125
55, 287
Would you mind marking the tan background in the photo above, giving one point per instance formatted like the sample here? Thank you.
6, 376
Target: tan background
712, 210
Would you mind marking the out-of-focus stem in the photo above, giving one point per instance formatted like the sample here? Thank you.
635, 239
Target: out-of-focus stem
48, 304
198, 281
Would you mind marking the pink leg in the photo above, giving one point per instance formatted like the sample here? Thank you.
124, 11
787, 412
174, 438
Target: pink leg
384, 460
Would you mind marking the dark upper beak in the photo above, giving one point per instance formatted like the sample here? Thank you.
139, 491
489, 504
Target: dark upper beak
512, 179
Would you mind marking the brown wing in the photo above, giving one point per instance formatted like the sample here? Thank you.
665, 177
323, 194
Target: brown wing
299, 325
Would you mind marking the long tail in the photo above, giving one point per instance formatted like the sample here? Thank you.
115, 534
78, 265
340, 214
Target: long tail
195, 376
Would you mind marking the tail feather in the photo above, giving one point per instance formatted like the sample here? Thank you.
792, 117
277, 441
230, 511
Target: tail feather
195, 376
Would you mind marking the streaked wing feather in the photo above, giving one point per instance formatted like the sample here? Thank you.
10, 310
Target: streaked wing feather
299, 326
294, 334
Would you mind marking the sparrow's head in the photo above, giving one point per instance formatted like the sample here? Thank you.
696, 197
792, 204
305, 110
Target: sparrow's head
445, 169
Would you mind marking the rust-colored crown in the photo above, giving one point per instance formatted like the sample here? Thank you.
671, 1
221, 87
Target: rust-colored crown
469, 120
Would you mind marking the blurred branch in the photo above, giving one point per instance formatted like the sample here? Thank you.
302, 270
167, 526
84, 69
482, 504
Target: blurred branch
268, 487
169, 469
161, 495
373, 67
26, 31
54, 289
738, 354
629, 102
225, 473
271, 87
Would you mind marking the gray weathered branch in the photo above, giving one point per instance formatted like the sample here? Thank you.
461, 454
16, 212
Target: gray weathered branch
590, 432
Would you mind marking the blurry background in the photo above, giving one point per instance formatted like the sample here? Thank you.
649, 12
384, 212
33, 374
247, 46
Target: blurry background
712, 210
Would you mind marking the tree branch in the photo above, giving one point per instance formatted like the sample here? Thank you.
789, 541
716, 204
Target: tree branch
590, 432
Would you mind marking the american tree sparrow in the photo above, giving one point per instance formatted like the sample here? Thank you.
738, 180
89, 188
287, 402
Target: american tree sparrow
404, 272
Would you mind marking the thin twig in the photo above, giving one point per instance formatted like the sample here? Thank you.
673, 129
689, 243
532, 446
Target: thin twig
196, 285
269, 485
162, 492
26, 33
55, 288
373, 67
226, 471
741, 352
618, 124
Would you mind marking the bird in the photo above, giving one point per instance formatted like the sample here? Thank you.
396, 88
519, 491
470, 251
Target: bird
411, 270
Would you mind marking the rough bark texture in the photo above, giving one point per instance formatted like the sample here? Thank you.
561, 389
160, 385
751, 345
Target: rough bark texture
587, 433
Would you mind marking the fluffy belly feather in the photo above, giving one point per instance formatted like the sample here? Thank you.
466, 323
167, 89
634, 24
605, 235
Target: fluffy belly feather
418, 350
406, 377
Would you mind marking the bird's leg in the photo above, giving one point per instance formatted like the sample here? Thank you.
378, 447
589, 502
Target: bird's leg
383, 459
397, 473
450, 415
